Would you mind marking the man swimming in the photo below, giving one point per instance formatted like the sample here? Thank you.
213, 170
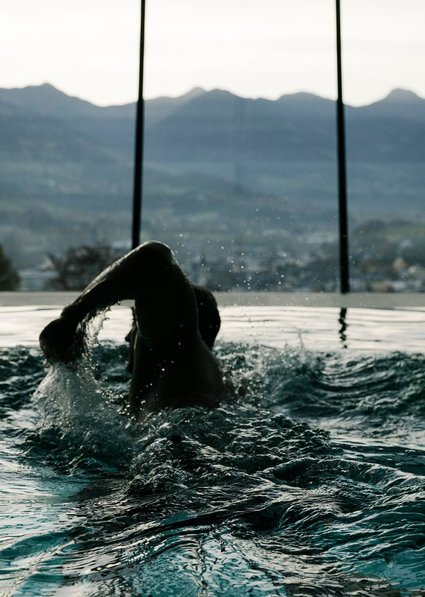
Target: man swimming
175, 325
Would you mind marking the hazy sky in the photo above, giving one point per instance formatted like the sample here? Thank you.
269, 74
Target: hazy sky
267, 48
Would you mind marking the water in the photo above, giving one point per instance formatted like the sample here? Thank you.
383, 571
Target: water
308, 480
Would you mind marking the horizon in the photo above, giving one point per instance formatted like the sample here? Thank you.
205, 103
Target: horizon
203, 90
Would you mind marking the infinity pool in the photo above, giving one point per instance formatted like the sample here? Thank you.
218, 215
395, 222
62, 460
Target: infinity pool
309, 479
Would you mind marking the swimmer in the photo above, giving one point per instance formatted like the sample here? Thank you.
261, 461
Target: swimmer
175, 325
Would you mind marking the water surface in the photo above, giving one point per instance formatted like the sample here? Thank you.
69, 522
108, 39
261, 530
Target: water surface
308, 480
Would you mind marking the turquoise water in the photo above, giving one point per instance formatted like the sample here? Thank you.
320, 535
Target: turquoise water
308, 480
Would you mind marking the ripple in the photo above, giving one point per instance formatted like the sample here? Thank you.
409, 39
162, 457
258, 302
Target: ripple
307, 480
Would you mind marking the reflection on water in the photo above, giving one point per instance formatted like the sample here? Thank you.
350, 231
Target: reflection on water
308, 480
342, 320
321, 328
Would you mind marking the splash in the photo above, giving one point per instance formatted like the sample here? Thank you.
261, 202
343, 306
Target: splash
85, 419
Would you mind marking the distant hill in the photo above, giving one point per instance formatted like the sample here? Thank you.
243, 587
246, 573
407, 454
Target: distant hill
220, 125
206, 152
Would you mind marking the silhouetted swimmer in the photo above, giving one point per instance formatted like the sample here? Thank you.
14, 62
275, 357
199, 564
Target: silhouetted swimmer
175, 325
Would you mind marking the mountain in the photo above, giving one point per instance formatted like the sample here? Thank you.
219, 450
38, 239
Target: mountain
46, 100
399, 103
160, 108
296, 127
210, 156
220, 126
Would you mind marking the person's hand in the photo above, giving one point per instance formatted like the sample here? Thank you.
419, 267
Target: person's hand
61, 341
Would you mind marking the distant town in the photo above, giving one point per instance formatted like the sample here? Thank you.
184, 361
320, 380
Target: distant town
384, 258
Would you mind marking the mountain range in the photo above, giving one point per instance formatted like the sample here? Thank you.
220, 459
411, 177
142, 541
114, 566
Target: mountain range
214, 162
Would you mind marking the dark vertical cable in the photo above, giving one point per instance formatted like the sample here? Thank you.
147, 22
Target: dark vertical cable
342, 168
138, 152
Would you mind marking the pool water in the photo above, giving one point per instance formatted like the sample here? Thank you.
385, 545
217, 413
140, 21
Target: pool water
309, 479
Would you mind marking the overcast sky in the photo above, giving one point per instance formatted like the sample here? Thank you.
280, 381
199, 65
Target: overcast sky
266, 48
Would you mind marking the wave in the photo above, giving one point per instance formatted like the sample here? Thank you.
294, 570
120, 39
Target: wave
307, 480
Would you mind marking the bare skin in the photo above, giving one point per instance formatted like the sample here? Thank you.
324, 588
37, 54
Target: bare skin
175, 326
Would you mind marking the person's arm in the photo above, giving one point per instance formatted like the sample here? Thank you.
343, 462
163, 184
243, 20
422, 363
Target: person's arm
63, 339
120, 281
